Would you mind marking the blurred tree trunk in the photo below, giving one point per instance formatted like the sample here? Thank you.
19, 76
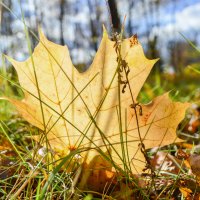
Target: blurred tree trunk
153, 51
0, 13
157, 5
146, 19
61, 17
38, 14
6, 18
115, 15
130, 26
178, 56
93, 25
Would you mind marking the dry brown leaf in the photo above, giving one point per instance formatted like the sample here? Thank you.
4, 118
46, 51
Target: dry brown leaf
100, 177
50, 69
186, 192
194, 161
164, 162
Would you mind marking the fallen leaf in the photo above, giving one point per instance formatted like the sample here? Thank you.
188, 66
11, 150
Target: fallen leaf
187, 193
100, 177
194, 161
7, 158
164, 162
82, 109
193, 124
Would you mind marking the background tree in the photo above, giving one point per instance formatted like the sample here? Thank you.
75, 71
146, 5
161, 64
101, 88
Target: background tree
114, 15
78, 24
61, 17
6, 18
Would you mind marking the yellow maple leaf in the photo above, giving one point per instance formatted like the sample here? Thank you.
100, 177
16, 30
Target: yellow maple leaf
82, 109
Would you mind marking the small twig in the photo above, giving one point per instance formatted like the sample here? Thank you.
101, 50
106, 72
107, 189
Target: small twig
110, 17
124, 70
30, 175
16, 183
